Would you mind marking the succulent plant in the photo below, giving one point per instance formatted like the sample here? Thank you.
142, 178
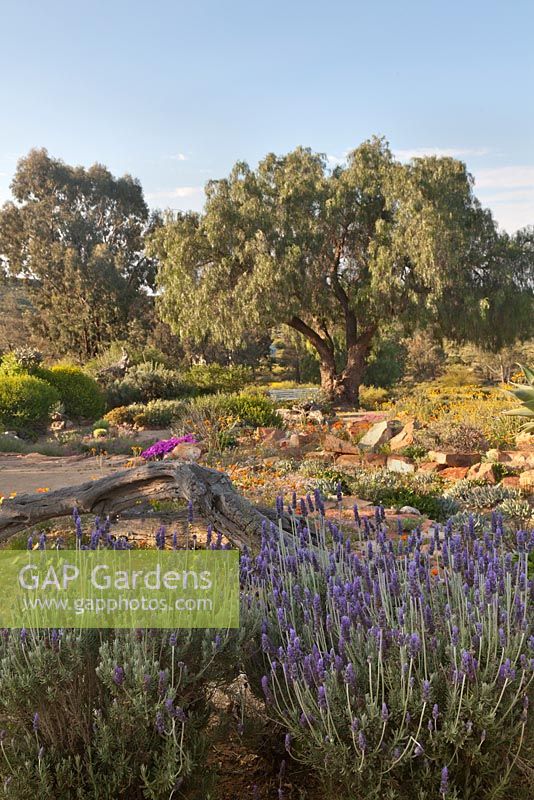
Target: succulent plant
525, 393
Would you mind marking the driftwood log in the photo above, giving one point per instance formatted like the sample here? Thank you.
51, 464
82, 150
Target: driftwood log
211, 492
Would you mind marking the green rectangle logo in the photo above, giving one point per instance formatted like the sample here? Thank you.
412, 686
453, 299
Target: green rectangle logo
119, 589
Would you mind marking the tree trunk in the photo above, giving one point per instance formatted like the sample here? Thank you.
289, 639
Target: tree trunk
211, 492
343, 387
340, 386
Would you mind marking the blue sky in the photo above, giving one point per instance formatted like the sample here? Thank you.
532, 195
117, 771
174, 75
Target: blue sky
175, 92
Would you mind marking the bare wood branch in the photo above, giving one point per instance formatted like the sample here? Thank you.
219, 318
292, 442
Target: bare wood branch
211, 492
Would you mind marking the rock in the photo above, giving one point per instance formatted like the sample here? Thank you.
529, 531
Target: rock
410, 510
454, 473
526, 480
524, 440
518, 459
274, 437
483, 472
381, 433
404, 438
348, 460
333, 444
401, 464
318, 455
294, 440
302, 439
511, 481
263, 433
357, 428
316, 416
430, 466
375, 459
454, 459
185, 451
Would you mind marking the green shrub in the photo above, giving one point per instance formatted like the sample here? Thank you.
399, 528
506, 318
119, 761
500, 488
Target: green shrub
159, 413
124, 415
214, 418
19, 361
101, 423
144, 382
213, 378
155, 414
373, 397
25, 403
111, 715
254, 410
456, 437
80, 394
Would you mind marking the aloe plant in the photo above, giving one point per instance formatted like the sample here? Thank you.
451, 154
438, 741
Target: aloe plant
525, 393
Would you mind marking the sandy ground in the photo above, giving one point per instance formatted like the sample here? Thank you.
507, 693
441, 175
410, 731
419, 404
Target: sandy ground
28, 473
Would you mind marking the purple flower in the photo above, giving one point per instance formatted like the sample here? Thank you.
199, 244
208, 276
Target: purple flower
287, 742
118, 676
160, 725
444, 785
266, 690
164, 446
163, 679
414, 645
36, 722
362, 741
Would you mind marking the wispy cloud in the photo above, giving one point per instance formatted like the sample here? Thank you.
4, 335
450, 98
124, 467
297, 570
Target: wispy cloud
336, 161
180, 197
511, 177
178, 157
509, 192
440, 152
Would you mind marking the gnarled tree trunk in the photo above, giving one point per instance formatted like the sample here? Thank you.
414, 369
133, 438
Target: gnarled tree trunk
211, 492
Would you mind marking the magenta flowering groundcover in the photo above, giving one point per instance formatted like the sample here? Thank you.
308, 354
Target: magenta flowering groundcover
159, 449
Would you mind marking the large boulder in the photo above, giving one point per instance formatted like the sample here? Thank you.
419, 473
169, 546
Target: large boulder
483, 472
404, 438
333, 444
348, 460
400, 464
454, 473
524, 441
516, 459
185, 451
430, 466
381, 433
526, 480
454, 459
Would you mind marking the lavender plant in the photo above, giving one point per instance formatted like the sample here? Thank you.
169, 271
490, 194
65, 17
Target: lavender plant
397, 669
108, 715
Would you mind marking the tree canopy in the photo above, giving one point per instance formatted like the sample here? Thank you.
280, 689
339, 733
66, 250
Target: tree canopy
336, 254
79, 234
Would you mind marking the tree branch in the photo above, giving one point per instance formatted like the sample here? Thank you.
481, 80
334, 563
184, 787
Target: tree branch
211, 492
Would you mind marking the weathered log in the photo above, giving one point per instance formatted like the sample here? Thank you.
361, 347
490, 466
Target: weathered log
211, 492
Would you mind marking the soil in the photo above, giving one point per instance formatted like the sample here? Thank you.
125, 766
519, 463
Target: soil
31, 472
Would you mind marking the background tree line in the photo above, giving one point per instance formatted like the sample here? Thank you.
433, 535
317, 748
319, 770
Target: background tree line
358, 274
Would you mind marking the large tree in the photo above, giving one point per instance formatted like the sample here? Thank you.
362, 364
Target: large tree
335, 255
78, 233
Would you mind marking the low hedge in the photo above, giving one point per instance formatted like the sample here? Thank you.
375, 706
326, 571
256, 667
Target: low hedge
26, 402
80, 394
